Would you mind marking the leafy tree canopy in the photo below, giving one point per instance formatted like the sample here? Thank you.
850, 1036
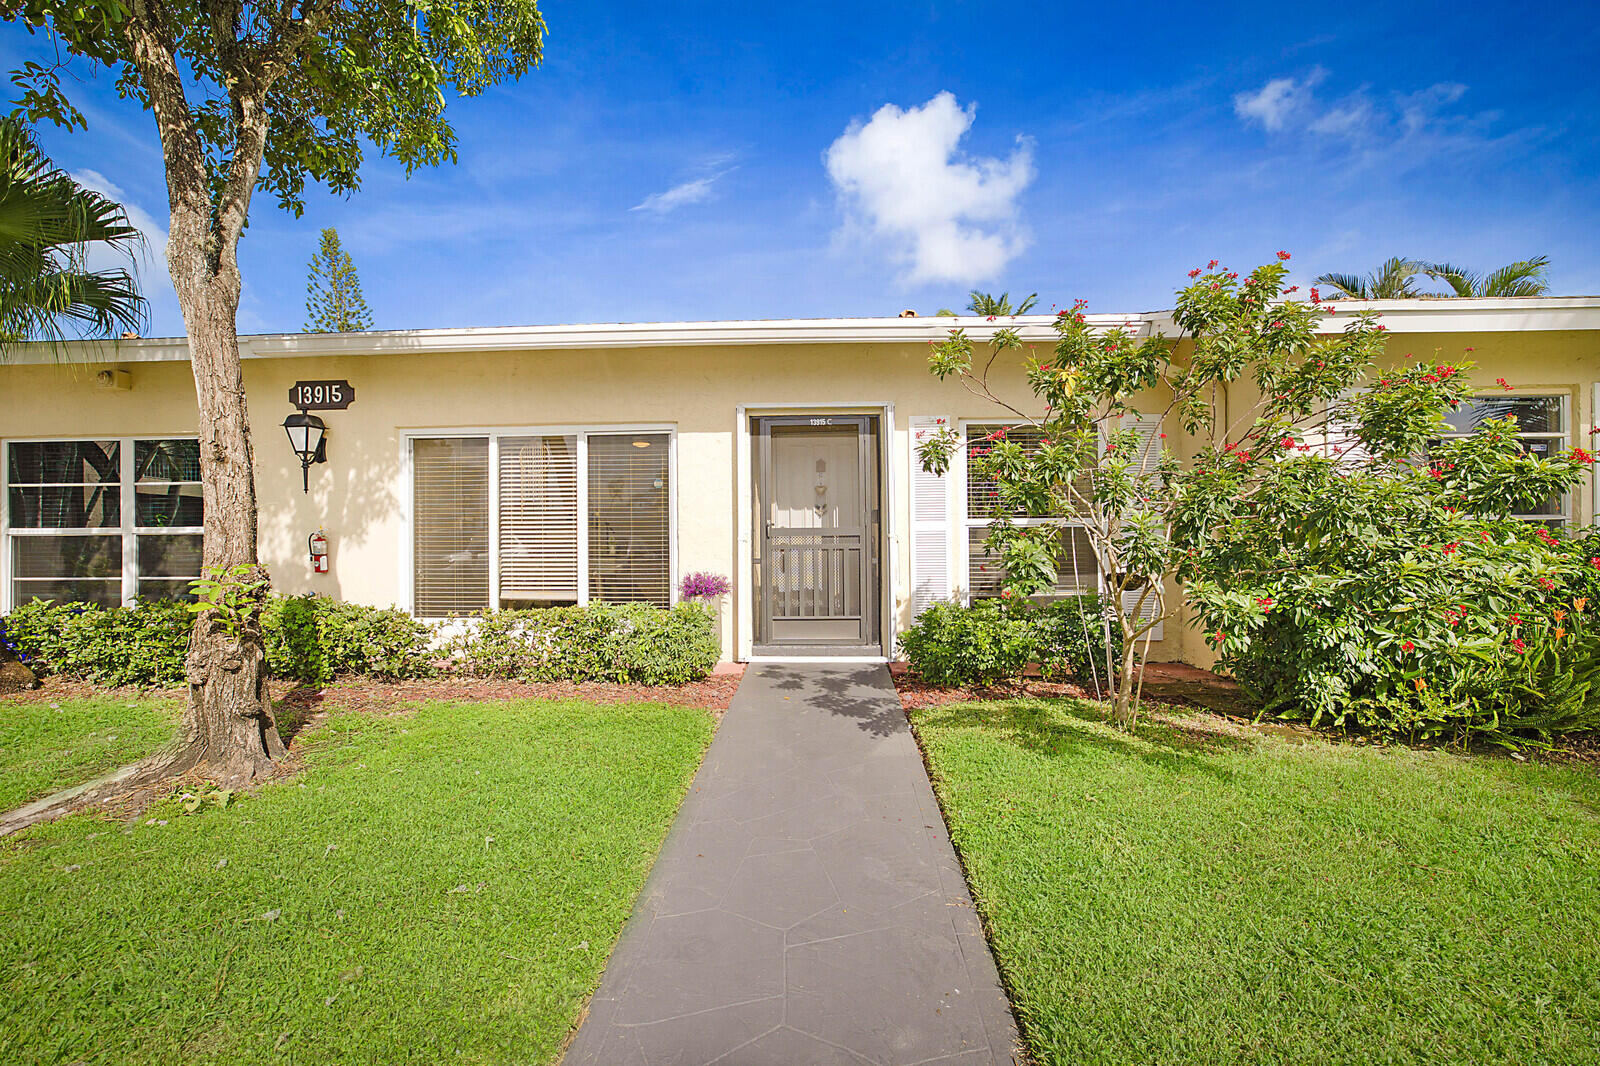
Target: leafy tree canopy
337, 73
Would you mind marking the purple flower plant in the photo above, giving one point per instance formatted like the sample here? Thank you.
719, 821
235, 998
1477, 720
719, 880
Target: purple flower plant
704, 586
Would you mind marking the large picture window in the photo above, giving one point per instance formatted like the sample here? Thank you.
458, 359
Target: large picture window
541, 519
102, 521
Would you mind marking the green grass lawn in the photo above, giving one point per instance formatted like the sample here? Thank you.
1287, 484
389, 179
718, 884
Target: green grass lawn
443, 884
1172, 898
48, 746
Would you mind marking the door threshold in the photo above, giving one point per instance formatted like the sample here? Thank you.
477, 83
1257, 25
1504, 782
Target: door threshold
817, 653
863, 659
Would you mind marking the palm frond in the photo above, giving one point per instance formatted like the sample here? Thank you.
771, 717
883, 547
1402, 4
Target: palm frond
1349, 284
49, 228
1461, 280
1525, 277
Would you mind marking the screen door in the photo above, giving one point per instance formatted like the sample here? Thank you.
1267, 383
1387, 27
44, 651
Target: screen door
817, 510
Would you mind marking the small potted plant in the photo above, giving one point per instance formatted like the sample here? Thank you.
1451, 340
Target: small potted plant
706, 588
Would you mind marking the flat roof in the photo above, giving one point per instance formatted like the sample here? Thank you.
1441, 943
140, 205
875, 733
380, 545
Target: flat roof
1426, 315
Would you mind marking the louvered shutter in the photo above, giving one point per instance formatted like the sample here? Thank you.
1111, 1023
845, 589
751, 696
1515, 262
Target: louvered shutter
630, 552
1338, 436
450, 525
1130, 602
1149, 429
538, 534
930, 524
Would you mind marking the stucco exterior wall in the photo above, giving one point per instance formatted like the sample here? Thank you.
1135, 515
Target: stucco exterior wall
359, 496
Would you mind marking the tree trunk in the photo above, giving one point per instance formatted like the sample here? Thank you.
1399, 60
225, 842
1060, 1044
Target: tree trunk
1122, 708
228, 729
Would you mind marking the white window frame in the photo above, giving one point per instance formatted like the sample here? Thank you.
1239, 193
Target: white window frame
582, 433
1563, 438
965, 523
128, 504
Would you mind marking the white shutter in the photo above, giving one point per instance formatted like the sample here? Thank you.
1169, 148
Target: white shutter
930, 523
1149, 429
1130, 602
538, 534
1149, 456
1337, 438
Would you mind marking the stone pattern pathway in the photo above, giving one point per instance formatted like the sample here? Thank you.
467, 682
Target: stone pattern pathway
807, 907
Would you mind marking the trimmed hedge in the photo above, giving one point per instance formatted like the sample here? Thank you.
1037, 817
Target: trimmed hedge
992, 641
313, 639
624, 643
140, 645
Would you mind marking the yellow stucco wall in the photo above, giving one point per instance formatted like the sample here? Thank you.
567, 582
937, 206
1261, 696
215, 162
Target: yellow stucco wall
358, 496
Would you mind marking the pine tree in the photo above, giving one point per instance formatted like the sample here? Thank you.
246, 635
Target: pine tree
334, 303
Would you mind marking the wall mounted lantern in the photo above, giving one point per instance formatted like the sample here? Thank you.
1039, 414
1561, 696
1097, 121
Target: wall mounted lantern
307, 436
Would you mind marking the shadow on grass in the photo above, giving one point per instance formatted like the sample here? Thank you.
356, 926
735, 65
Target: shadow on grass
297, 708
1065, 727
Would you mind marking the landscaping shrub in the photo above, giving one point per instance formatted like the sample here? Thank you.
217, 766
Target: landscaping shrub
308, 638
1069, 641
1408, 602
140, 645
990, 641
624, 643
314, 639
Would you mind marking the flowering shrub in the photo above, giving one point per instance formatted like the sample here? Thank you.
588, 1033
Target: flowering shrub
1397, 593
703, 586
1082, 461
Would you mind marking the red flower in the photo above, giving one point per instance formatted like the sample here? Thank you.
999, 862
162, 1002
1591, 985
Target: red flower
1595, 562
1516, 619
1381, 329
1211, 264
1517, 644
1547, 583
1502, 383
1287, 442
1582, 456
1195, 273
1408, 646
1283, 255
1450, 549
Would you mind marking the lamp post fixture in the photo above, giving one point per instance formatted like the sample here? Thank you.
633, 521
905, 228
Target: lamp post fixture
307, 438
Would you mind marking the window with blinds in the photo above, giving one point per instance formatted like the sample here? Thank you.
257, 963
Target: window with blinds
573, 518
629, 528
102, 521
538, 529
450, 525
1077, 561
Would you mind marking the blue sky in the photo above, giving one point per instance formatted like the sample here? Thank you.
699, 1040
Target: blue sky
694, 160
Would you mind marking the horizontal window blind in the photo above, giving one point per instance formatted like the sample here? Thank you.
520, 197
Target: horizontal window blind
538, 527
628, 524
450, 525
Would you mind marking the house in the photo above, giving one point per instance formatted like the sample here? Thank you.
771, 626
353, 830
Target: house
475, 468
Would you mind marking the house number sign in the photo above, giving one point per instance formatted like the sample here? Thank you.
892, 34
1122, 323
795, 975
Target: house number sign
322, 395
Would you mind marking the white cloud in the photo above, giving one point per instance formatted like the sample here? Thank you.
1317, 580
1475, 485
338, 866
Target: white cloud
945, 216
1279, 101
697, 191
150, 261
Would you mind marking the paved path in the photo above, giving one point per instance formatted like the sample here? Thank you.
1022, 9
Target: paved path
807, 907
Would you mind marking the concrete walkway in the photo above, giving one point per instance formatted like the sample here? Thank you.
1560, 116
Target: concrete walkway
807, 907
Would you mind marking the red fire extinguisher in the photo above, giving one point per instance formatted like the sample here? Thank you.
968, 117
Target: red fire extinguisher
318, 542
